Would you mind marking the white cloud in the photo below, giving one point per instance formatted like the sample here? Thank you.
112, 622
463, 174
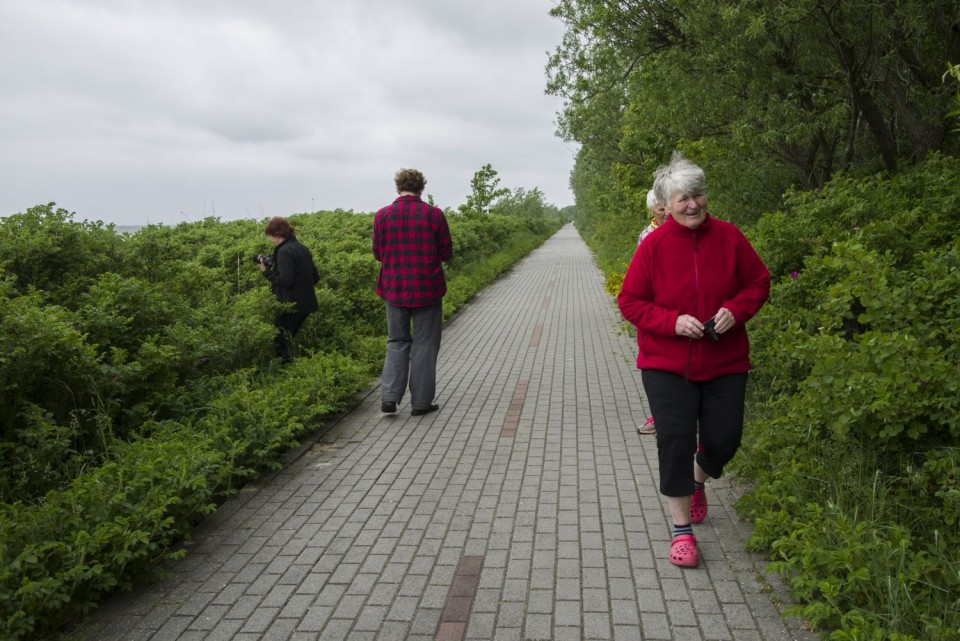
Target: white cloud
131, 111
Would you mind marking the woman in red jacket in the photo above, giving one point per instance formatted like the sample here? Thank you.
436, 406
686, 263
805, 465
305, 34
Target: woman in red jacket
690, 288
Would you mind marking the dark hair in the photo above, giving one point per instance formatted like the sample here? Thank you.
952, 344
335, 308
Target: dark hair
410, 180
279, 227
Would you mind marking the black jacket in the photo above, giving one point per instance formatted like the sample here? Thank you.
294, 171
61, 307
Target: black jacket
293, 275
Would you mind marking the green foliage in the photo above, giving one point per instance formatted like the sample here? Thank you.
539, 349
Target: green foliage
913, 211
253, 418
43, 249
607, 218
141, 390
528, 205
108, 526
853, 448
485, 192
954, 71
863, 557
45, 359
761, 94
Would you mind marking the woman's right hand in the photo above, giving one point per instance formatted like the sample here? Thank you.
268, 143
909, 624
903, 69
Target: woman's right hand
688, 326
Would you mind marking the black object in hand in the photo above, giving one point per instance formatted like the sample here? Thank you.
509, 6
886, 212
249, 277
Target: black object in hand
709, 328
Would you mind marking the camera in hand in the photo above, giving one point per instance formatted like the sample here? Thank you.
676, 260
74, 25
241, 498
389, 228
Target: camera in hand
709, 328
266, 259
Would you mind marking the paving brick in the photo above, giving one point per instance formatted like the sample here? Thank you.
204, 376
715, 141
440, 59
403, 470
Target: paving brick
260, 620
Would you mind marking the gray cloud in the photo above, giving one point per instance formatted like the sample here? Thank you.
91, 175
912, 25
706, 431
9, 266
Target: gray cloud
131, 111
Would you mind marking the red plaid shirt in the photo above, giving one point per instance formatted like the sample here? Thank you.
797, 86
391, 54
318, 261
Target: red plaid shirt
410, 239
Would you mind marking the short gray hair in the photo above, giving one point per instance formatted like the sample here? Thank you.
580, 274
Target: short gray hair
651, 199
679, 175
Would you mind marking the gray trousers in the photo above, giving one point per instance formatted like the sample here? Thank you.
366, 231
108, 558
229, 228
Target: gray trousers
411, 357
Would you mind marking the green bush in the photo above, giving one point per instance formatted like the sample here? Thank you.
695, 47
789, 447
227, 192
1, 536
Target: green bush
854, 439
149, 391
109, 525
912, 212
864, 559
43, 249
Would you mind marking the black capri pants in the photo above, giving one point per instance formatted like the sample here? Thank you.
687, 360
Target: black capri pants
678, 407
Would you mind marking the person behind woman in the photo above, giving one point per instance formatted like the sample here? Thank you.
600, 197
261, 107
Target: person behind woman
690, 288
292, 275
657, 212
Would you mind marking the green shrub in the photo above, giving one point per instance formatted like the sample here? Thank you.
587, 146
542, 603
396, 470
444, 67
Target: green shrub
904, 215
854, 439
110, 525
151, 392
43, 249
861, 556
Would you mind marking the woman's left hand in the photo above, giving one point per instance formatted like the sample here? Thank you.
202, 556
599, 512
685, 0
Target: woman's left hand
724, 320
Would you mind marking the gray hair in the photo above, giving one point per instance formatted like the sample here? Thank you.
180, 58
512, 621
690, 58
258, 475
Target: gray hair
651, 199
678, 176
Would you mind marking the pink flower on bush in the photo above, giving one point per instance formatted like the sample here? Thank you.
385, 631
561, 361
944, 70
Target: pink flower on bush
794, 275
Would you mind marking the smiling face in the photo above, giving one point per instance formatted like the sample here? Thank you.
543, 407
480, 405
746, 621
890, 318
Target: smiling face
688, 210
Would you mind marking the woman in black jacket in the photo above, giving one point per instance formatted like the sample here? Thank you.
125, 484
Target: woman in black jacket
292, 277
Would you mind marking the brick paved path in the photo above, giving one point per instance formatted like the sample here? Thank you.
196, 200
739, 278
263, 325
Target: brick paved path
526, 508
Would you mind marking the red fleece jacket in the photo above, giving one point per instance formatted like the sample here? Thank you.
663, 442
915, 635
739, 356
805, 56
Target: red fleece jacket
681, 271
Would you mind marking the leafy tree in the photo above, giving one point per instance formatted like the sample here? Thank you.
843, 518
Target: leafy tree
485, 191
529, 205
763, 94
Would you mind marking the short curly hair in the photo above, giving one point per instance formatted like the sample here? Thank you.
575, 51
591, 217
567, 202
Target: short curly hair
279, 227
410, 180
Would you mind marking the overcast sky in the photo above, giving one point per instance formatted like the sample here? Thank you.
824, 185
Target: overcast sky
150, 111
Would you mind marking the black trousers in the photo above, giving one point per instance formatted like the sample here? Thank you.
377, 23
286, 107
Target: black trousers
679, 408
287, 327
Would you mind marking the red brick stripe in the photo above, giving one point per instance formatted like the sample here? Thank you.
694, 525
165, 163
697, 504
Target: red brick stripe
537, 331
456, 611
513, 412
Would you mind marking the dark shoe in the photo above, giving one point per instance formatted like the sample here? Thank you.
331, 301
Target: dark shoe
433, 408
388, 407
